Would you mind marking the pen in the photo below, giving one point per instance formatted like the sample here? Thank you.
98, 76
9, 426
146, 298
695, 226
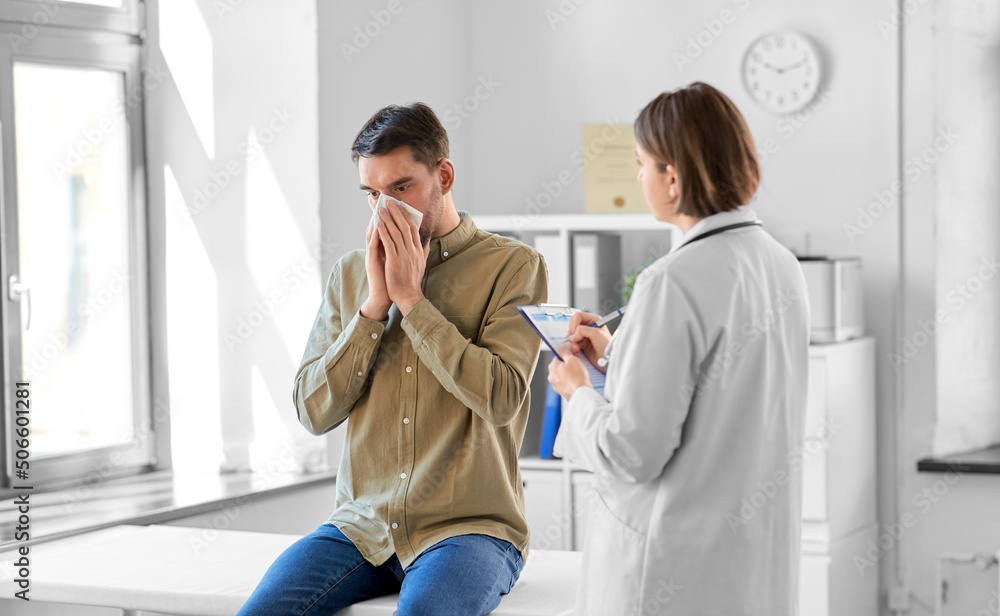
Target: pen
609, 317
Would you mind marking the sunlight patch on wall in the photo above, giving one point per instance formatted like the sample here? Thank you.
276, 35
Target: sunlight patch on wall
193, 339
186, 44
282, 261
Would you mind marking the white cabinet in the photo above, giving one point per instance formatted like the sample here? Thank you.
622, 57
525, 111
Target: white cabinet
546, 509
839, 451
814, 586
830, 583
839, 515
838, 491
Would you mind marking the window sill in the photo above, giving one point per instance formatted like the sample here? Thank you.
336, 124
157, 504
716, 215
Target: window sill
150, 498
984, 461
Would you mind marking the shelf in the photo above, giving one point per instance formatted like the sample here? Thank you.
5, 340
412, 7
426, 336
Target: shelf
148, 498
985, 461
642, 239
572, 222
535, 463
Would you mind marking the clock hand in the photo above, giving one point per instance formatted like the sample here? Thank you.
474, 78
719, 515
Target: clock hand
788, 68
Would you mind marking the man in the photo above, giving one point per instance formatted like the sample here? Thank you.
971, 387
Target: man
418, 345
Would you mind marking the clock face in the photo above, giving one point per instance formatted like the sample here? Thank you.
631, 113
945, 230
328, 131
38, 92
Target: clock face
782, 71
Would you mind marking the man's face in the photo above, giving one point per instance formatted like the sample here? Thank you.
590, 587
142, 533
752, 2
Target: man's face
399, 176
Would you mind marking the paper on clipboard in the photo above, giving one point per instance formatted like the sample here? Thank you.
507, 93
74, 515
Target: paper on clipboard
551, 323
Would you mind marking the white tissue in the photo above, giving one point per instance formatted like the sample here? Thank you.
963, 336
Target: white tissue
414, 213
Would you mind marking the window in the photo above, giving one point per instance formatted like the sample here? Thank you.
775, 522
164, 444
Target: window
75, 311
95, 15
961, 156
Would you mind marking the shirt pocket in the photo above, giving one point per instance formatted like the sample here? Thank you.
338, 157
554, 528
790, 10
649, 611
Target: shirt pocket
468, 324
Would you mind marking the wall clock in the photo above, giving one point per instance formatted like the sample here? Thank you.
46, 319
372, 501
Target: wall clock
782, 71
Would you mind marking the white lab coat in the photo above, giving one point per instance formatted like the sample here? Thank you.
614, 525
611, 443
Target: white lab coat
697, 448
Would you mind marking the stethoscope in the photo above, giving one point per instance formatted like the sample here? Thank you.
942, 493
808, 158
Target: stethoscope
603, 360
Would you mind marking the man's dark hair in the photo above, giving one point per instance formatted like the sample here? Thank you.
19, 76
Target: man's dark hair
414, 125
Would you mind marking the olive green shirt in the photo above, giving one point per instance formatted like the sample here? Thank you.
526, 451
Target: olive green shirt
436, 402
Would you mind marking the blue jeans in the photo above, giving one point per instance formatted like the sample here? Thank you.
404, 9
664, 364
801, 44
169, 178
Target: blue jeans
323, 572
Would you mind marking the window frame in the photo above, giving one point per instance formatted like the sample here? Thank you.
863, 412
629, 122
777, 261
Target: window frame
41, 13
107, 51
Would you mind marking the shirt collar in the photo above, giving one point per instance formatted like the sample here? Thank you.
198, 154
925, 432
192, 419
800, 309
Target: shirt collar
721, 219
449, 245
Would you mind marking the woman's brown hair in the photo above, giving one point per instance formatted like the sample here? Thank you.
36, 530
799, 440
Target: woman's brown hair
701, 133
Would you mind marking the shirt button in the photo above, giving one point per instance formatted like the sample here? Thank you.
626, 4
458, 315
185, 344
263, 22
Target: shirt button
446, 253
394, 525
406, 420
360, 373
374, 336
409, 369
402, 475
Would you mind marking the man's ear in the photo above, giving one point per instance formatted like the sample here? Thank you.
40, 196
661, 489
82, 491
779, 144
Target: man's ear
446, 175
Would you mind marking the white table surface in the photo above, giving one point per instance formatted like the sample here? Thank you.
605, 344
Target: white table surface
202, 572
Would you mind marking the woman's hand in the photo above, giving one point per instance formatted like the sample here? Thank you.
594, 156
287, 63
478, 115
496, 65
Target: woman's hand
568, 374
591, 341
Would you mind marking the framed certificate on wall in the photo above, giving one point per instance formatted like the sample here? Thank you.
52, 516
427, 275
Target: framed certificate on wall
610, 168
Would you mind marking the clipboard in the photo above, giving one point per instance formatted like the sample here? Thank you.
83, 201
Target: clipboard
551, 323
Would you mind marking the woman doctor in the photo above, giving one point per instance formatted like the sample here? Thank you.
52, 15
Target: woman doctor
695, 443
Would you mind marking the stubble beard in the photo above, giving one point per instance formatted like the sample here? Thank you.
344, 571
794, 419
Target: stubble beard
432, 220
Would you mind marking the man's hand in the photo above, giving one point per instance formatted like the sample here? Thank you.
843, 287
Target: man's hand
567, 374
405, 258
377, 305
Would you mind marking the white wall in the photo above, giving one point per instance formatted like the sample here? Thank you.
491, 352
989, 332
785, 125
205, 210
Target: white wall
420, 54
293, 513
234, 205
